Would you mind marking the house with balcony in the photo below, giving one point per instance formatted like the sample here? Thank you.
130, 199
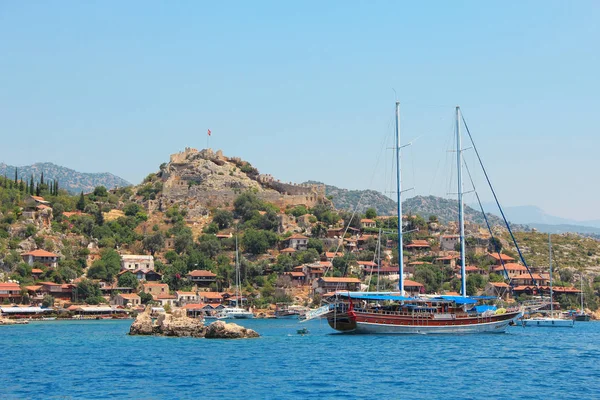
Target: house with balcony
126, 299
184, 298
41, 256
202, 277
332, 284
10, 292
297, 242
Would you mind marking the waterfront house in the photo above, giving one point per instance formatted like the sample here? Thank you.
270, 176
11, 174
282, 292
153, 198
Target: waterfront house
166, 299
332, 284
57, 290
413, 288
186, 297
498, 289
201, 277
124, 299
155, 289
10, 292
297, 242
133, 262
41, 256
210, 297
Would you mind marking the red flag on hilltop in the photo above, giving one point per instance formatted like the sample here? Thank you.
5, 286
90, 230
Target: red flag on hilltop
209, 132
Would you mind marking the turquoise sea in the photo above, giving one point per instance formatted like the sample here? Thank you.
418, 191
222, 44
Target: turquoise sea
98, 360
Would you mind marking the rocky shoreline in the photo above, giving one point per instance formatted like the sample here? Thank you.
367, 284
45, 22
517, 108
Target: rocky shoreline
180, 325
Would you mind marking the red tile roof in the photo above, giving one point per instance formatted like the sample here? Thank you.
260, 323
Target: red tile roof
288, 250
297, 236
499, 284
331, 254
410, 283
40, 253
10, 286
211, 295
36, 271
295, 274
367, 221
504, 257
418, 243
202, 272
367, 263
129, 296
511, 266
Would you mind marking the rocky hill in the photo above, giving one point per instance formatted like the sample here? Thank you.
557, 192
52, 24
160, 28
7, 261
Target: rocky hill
201, 180
69, 179
446, 210
344, 199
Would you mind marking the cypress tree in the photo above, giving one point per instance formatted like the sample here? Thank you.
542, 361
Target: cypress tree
56, 187
42, 178
31, 187
22, 186
37, 189
16, 175
81, 202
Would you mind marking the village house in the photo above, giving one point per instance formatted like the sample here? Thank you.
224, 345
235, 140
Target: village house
184, 298
498, 258
367, 223
332, 284
41, 256
35, 273
418, 244
134, 262
288, 251
10, 292
391, 273
155, 289
57, 290
201, 277
147, 275
498, 289
297, 242
124, 299
413, 288
312, 271
527, 279
330, 255
449, 242
446, 260
166, 299
298, 278
210, 297
510, 270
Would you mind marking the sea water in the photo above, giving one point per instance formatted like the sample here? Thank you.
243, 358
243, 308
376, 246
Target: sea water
98, 360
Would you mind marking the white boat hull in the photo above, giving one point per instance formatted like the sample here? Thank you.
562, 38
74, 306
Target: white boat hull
548, 323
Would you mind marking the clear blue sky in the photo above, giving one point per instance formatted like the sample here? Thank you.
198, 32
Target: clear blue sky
303, 90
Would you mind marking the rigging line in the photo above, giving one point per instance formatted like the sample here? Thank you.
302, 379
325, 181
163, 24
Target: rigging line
498, 203
487, 222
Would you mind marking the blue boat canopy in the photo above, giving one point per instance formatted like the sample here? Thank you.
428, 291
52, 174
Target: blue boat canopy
460, 299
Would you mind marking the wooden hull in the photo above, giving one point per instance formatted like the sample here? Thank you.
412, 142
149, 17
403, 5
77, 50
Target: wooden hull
373, 323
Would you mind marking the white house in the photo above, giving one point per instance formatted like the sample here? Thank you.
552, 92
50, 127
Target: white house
133, 262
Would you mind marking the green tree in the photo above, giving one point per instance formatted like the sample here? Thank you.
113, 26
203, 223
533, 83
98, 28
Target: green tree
128, 280
223, 218
81, 202
132, 209
86, 290
47, 301
209, 245
145, 297
316, 244
154, 243
100, 191
371, 213
258, 241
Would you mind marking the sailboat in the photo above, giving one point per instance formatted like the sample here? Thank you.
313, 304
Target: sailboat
236, 312
581, 315
551, 321
363, 312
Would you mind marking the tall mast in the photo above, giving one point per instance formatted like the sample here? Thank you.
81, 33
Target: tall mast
581, 286
461, 216
237, 272
550, 266
399, 199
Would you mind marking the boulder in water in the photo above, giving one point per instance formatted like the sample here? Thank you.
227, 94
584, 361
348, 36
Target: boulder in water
221, 330
175, 324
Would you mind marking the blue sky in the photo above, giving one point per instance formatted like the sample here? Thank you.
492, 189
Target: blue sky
303, 90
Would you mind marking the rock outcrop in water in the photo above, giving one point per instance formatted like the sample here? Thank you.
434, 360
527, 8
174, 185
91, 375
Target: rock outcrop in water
175, 324
221, 330
180, 325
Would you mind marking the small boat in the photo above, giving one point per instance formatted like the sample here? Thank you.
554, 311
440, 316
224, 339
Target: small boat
236, 312
302, 331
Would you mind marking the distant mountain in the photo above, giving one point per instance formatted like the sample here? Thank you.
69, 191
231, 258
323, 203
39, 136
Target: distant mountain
344, 199
445, 209
68, 179
535, 217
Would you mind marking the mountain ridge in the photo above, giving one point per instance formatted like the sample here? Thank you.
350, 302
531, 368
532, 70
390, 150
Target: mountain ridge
69, 179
